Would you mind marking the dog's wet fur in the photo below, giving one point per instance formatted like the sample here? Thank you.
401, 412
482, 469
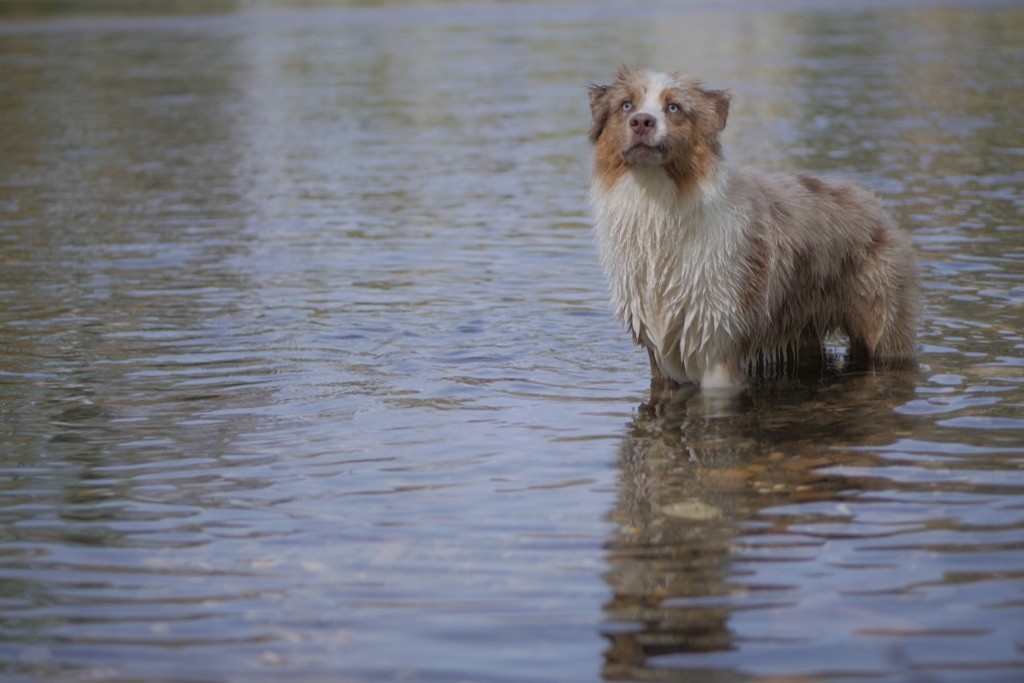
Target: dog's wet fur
719, 271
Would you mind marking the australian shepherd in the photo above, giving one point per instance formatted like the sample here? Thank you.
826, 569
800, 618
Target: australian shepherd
719, 271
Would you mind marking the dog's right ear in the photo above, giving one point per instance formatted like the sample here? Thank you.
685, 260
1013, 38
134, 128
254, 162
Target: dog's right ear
600, 109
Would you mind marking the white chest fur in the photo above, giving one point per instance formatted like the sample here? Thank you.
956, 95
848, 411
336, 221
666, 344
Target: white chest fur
673, 267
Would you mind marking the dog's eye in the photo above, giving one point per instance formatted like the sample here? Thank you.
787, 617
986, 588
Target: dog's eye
626, 106
673, 108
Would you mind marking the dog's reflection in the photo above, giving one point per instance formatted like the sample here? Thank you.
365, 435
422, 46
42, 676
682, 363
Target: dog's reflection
696, 469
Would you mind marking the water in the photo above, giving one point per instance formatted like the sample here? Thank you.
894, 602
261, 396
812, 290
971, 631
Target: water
308, 371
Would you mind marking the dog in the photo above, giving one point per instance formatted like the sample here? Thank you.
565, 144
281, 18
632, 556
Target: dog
720, 272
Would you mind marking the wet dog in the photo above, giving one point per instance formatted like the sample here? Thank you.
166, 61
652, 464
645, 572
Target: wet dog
719, 271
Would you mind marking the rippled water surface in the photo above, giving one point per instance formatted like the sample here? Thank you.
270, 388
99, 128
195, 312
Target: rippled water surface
308, 372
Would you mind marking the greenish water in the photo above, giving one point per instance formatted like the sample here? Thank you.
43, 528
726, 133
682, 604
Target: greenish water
308, 372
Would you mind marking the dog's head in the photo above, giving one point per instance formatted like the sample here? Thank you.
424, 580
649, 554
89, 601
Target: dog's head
648, 118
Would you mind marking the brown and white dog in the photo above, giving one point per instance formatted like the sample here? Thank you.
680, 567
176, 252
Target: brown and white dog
719, 271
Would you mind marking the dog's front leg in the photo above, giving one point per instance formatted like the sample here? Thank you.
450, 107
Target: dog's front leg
658, 378
723, 375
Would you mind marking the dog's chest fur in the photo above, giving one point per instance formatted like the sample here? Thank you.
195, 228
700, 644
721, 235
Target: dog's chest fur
674, 274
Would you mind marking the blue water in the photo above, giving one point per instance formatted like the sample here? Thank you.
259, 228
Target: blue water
308, 370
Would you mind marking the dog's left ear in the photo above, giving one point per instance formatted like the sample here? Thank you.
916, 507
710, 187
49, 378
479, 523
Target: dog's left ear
600, 109
720, 100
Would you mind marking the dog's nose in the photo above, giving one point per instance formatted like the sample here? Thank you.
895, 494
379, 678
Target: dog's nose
642, 123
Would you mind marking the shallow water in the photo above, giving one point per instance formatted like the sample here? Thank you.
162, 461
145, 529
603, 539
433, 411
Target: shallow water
308, 371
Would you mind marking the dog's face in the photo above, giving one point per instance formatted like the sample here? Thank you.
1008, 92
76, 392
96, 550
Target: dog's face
646, 118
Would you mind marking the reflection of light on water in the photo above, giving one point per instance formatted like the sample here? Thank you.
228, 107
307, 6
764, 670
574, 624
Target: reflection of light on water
307, 360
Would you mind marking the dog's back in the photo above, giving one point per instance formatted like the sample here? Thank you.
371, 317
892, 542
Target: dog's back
825, 257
